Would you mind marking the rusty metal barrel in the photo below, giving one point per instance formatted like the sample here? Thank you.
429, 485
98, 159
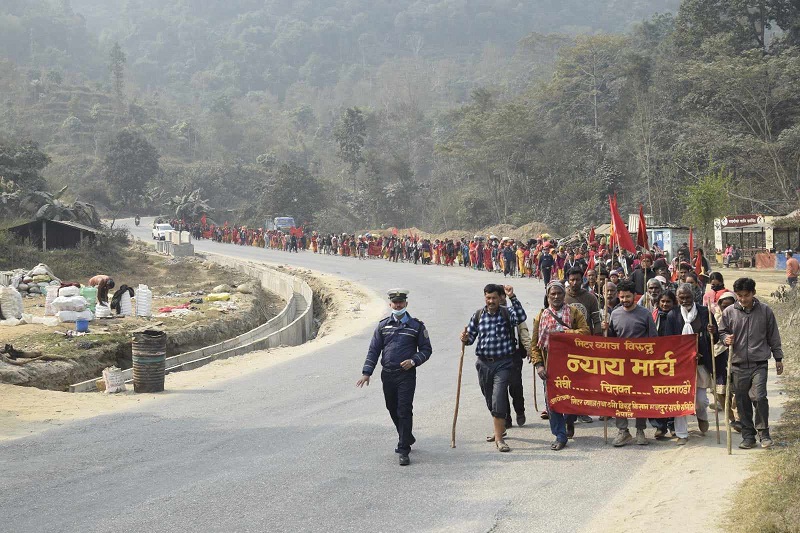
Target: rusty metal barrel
149, 349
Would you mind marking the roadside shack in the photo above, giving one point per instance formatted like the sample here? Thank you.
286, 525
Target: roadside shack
54, 234
752, 234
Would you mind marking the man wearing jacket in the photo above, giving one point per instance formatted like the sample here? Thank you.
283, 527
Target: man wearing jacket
750, 329
404, 344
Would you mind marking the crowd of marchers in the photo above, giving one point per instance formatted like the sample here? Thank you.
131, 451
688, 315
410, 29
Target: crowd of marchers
591, 288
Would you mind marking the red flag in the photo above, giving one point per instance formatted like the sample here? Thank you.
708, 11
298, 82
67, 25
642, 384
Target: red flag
590, 265
591, 235
641, 235
698, 265
619, 230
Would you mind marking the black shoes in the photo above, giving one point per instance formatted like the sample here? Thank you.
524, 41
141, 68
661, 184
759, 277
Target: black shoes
558, 446
570, 430
521, 420
404, 460
509, 424
747, 444
586, 419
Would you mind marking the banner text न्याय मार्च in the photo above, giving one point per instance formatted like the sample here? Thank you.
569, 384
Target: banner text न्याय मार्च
652, 377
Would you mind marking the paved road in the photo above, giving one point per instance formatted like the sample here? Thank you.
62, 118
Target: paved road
298, 447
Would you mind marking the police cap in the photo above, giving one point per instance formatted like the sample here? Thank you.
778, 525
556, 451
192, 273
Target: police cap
398, 295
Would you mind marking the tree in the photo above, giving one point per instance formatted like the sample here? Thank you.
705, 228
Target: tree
708, 199
745, 24
751, 98
21, 163
351, 134
295, 192
131, 162
584, 81
116, 65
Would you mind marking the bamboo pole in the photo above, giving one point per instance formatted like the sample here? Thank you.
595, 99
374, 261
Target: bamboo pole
728, 398
714, 374
458, 396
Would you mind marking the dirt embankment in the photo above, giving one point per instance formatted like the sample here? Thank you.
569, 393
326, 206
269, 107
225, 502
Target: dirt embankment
174, 283
343, 308
531, 230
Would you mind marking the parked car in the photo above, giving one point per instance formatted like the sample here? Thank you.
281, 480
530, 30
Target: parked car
160, 231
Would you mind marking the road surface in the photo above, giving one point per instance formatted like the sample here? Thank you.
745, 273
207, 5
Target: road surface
297, 447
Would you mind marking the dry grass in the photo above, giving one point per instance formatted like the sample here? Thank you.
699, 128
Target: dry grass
769, 502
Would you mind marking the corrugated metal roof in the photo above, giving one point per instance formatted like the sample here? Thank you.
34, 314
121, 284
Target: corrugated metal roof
75, 225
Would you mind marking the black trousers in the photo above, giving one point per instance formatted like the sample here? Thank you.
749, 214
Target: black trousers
398, 391
515, 389
493, 380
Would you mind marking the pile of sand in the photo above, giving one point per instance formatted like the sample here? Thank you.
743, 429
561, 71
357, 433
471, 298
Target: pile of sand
532, 230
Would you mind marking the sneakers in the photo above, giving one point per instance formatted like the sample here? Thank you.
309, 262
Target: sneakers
623, 438
703, 424
404, 460
586, 419
747, 444
681, 441
766, 440
570, 430
641, 440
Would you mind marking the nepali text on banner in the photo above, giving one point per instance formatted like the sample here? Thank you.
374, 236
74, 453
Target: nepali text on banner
653, 377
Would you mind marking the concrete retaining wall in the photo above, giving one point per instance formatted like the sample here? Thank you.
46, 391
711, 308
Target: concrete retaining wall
291, 327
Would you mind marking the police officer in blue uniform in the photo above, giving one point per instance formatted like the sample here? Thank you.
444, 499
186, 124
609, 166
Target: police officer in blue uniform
402, 343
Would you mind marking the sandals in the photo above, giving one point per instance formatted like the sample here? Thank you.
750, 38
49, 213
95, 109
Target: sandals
490, 438
502, 446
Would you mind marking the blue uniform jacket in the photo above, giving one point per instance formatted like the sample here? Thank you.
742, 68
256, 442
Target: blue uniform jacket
398, 340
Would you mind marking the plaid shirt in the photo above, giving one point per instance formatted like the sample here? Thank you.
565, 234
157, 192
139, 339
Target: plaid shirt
494, 338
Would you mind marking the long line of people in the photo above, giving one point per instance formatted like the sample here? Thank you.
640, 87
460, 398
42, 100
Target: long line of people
616, 293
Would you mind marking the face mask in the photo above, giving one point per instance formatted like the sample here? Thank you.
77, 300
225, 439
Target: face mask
399, 312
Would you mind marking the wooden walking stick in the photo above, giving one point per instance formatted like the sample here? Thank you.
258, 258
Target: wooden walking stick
714, 374
458, 396
535, 401
728, 398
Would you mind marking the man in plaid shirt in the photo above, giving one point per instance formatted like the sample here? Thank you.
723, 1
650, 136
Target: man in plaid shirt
494, 329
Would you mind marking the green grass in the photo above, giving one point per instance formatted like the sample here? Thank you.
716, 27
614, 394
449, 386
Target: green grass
77, 264
64, 347
769, 502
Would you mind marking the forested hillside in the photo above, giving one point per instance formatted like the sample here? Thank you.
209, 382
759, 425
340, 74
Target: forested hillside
436, 114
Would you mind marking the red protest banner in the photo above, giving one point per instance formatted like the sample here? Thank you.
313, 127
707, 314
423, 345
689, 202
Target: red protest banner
652, 377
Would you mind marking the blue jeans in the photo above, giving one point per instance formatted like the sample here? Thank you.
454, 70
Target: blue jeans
558, 421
